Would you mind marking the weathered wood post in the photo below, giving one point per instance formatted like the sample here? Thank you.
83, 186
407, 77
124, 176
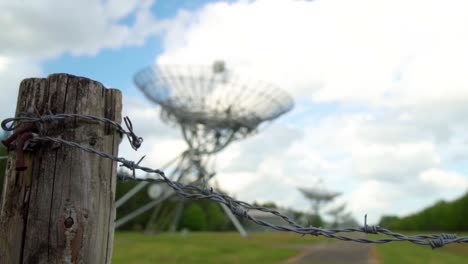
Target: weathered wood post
61, 208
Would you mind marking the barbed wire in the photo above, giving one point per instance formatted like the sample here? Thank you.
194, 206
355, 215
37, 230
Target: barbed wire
11, 124
241, 208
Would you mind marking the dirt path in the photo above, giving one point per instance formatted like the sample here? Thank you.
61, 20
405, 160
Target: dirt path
337, 253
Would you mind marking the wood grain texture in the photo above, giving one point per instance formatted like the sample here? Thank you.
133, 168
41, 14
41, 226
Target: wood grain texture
61, 209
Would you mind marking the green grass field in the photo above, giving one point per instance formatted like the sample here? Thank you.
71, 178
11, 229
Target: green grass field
406, 252
269, 247
207, 248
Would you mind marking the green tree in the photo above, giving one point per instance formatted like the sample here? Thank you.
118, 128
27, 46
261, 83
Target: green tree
139, 199
442, 216
316, 220
217, 220
388, 220
194, 218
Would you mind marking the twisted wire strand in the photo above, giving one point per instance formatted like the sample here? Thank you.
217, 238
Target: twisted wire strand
11, 124
241, 208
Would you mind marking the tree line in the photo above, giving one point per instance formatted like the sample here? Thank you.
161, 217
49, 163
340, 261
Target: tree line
442, 216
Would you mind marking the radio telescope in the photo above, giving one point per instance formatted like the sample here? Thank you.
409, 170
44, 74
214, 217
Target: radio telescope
318, 197
212, 106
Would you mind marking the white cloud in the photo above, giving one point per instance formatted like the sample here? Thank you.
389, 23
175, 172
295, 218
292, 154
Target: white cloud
48, 28
11, 74
448, 180
235, 182
145, 117
4, 62
369, 196
248, 156
393, 162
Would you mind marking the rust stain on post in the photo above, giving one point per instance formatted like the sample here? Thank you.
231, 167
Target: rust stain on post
74, 237
61, 208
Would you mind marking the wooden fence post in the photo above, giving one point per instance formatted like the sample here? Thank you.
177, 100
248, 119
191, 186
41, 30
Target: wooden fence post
61, 208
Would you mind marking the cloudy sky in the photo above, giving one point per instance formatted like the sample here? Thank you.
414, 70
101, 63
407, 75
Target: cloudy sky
381, 87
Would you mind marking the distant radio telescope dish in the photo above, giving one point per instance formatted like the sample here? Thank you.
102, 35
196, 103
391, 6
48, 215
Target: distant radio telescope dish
319, 194
155, 191
211, 104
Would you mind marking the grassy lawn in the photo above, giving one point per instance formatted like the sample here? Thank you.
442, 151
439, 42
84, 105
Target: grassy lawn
271, 247
268, 247
405, 252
